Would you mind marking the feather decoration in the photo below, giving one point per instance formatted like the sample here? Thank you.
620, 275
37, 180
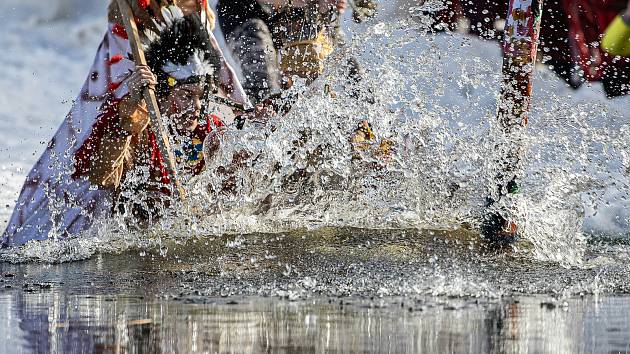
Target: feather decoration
171, 46
196, 66
170, 14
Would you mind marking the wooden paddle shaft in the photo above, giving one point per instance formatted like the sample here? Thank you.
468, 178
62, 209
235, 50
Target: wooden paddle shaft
149, 96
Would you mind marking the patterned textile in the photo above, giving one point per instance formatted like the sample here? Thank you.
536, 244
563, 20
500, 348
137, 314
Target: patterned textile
53, 204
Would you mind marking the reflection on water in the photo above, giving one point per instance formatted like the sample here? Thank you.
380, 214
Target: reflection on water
51, 322
365, 291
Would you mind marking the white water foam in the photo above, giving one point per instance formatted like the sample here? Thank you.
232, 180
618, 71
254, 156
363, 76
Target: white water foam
435, 98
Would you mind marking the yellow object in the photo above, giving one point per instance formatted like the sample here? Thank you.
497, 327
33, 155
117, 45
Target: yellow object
364, 141
172, 81
363, 133
616, 40
306, 58
385, 148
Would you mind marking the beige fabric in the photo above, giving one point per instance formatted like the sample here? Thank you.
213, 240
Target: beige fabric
212, 18
117, 151
306, 58
195, 3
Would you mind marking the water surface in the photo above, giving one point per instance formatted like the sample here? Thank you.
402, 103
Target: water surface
326, 291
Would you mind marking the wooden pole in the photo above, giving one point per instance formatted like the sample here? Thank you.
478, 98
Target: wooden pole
149, 97
520, 49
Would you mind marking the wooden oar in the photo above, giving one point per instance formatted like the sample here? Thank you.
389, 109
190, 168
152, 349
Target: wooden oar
149, 97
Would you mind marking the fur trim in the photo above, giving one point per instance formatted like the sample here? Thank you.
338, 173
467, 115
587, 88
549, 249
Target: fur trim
196, 66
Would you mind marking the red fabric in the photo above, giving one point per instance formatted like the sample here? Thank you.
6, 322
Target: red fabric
115, 59
113, 86
216, 121
144, 4
119, 30
156, 164
109, 120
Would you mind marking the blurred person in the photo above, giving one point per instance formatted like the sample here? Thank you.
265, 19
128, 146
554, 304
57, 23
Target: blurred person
275, 39
121, 154
53, 204
568, 32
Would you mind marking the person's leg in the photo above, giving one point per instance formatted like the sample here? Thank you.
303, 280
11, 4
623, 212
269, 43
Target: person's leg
252, 46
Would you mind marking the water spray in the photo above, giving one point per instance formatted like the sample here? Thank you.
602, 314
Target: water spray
520, 48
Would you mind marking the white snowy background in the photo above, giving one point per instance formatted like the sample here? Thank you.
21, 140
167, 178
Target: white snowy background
48, 47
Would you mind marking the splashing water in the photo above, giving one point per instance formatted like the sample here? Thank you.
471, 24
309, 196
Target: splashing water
437, 105
432, 96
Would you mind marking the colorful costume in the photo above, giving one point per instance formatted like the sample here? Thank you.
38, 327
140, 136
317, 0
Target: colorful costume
53, 204
569, 29
110, 151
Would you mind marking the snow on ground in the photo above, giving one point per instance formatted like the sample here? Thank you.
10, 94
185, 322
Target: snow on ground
48, 51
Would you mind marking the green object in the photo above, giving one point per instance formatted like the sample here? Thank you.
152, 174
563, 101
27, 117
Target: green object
513, 187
